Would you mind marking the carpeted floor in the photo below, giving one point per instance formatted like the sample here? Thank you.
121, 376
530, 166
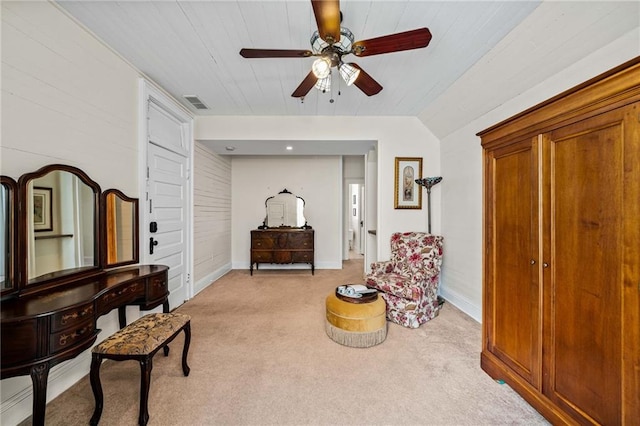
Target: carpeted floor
260, 356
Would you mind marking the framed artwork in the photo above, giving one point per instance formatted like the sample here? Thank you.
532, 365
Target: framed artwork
42, 212
407, 193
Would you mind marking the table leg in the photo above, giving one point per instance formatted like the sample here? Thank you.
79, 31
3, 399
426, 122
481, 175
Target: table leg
122, 316
165, 309
96, 386
146, 365
39, 376
185, 349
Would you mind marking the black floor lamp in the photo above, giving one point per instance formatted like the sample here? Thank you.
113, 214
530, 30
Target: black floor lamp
429, 183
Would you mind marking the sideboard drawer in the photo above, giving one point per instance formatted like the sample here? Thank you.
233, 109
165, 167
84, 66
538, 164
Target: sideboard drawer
72, 336
71, 317
120, 296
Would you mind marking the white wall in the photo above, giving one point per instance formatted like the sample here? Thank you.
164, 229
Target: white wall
211, 216
462, 171
396, 137
318, 180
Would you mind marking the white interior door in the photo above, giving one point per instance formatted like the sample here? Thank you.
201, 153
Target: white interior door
166, 206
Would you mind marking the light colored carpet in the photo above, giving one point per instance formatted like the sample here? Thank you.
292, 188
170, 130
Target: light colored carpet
260, 356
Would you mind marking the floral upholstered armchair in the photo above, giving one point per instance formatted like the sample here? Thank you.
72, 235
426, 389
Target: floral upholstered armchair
409, 281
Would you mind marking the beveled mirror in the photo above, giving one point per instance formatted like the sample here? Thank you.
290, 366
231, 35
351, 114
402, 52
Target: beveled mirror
121, 228
59, 222
285, 210
8, 234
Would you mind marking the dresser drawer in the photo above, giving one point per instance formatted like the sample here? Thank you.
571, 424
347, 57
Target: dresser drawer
300, 240
71, 317
157, 287
302, 256
261, 256
120, 296
282, 257
72, 336
262, 242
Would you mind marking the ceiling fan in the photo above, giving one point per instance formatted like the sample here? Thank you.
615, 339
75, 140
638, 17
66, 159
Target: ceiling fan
331, 42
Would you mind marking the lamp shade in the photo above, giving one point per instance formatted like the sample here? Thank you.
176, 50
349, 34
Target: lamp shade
349, 73
324, 84
321, 67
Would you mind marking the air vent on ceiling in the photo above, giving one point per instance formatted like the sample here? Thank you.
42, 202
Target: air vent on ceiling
196, 102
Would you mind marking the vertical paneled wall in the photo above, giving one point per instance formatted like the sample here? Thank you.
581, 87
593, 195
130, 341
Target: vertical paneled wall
212, 216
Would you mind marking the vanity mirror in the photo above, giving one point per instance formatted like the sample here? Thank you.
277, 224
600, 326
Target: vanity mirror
59, 222
8, 191
61, 241
121, 228
284, 210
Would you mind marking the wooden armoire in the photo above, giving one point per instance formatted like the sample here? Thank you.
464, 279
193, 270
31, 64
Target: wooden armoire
561, 238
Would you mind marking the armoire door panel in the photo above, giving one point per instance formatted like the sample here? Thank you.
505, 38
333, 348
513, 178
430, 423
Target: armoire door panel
586, 172
514, 285
585, 208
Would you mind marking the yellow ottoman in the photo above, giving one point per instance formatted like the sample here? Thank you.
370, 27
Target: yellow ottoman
358, 325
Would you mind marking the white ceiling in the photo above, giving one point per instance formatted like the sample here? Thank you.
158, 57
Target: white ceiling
191, 48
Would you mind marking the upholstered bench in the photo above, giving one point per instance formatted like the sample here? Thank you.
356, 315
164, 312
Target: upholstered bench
358, 325
139, 341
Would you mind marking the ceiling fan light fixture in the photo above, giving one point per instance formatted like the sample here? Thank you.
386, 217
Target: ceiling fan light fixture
321, 67
324, 84
349, 73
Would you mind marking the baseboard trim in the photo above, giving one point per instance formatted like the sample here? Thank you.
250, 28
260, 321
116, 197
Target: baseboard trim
205, 282
462, 303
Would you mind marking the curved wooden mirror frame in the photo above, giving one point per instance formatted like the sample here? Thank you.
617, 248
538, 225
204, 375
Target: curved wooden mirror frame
8, 233
27, 231
120, 229
284, 210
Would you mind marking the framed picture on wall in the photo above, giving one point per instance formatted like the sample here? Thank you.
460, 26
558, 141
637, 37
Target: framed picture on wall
42, 213
407, 193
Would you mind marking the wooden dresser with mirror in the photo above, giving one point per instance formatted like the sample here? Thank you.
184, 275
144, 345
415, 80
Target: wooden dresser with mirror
69, 256
284, 236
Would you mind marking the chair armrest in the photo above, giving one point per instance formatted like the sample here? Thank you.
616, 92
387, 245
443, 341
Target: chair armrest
382, 267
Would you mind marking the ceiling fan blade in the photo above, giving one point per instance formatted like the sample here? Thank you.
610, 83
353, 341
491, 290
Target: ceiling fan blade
275, 53
327, 13
414, 39
306, 85
366, 83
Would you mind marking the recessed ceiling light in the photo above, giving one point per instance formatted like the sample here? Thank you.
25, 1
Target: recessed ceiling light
289, 148
230, 148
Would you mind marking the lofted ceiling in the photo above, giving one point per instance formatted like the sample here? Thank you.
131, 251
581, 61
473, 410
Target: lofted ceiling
192, 48
482, 53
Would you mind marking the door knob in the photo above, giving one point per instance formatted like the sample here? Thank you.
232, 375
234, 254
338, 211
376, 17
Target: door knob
152, 243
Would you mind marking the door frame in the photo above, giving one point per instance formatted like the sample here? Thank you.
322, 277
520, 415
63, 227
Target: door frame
148, 92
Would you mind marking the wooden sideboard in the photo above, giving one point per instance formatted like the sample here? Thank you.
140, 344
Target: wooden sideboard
42, 330
282, 245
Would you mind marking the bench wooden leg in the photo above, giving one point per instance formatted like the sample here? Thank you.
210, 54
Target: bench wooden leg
185, 350
96, 386
146, 365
